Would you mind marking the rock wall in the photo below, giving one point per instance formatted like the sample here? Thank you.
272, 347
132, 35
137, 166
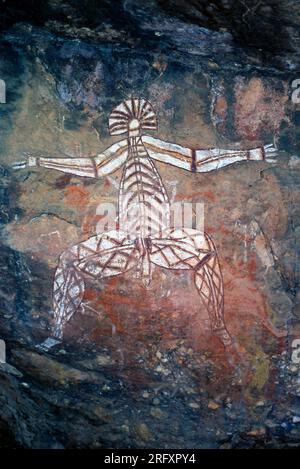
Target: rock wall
141, 368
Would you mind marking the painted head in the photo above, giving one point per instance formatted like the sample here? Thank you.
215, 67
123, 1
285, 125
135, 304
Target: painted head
132, 117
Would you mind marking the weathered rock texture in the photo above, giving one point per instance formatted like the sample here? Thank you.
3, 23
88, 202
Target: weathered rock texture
140, 368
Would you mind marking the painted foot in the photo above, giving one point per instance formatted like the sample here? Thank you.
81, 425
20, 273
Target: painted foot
224, 336
49, 343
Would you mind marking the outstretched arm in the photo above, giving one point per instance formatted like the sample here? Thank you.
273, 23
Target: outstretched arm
101, 165
202, 160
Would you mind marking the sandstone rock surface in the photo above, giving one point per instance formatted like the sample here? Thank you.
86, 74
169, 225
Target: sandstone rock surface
134, 360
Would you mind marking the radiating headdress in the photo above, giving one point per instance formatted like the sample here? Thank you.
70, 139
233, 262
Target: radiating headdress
129, 110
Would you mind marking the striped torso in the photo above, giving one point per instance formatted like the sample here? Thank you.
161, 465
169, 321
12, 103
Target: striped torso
144, 208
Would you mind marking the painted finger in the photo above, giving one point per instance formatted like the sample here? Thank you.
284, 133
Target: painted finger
19, 165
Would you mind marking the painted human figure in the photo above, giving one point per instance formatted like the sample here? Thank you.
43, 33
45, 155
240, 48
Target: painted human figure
145, 237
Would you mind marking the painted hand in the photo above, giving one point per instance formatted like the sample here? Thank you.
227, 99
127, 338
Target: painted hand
267, 153
270, 153
29, 160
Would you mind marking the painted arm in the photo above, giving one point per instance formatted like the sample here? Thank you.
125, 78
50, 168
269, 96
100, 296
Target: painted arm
101, 165
203, 160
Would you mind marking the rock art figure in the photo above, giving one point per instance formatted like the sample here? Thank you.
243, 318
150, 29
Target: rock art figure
145, 237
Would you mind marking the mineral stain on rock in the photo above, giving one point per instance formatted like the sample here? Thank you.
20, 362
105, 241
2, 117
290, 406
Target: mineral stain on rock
139, 368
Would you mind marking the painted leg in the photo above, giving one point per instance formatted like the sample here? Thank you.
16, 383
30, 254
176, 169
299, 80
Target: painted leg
68, 290
209, 283
188, 249
101, 256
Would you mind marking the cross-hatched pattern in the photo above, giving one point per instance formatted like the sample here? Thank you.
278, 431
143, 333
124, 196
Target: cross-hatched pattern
68, 291
101, 256
192, 250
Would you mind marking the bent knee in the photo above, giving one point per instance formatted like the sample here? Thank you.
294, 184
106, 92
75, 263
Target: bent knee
68, 257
